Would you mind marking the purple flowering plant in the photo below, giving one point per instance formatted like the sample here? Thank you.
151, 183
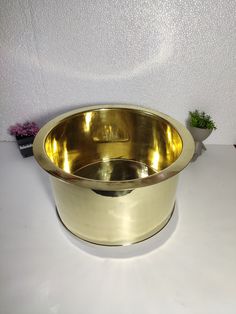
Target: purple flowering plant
24, 130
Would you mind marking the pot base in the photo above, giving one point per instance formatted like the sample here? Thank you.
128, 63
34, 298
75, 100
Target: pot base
148, 236
104, 218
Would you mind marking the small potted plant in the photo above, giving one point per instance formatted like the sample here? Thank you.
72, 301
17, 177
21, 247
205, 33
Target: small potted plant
24, 134
200, 125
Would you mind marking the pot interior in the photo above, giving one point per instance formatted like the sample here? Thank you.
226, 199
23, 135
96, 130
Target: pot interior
113, 144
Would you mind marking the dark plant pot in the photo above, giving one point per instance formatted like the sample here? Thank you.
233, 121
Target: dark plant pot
25, 145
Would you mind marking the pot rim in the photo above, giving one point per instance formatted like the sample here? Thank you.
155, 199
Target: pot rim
178, 165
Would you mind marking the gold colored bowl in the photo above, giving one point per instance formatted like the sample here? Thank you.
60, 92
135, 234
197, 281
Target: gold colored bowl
114, 170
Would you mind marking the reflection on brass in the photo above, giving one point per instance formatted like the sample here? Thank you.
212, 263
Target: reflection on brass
109, 133
114, 170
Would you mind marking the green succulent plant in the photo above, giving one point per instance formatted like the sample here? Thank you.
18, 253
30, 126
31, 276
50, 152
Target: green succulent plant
199, 119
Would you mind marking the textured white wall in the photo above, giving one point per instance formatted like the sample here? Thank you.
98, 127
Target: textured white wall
173, 56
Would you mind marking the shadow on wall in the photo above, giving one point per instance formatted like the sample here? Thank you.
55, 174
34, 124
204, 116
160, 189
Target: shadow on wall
54, 113
119, 44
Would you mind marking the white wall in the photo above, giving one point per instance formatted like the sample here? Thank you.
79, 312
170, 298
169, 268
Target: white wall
173, 56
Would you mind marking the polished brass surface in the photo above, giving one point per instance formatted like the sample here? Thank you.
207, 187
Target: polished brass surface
119, 220
114, 170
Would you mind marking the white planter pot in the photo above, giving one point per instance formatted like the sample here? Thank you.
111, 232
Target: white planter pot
199, 136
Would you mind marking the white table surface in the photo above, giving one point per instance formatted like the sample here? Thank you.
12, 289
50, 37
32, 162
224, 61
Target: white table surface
189, 267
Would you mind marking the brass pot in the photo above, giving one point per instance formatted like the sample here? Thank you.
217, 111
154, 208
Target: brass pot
114, 170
